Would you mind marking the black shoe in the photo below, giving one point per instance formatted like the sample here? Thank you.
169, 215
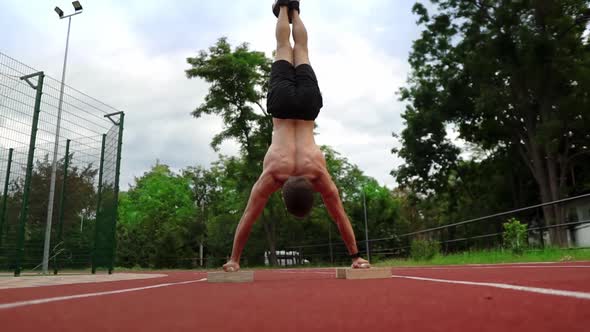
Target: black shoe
294, 5
276, 7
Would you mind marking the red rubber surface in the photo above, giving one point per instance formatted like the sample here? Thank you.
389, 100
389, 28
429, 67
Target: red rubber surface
309, 300
574, 277
24, 294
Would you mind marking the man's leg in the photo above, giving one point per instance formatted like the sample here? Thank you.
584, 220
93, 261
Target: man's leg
283, 33
300, 53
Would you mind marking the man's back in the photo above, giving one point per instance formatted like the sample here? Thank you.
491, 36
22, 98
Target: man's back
293, 151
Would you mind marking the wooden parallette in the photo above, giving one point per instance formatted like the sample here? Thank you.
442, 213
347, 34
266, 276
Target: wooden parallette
230, 277
371, 273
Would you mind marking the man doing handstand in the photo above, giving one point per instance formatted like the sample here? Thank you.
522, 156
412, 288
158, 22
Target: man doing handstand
293, 162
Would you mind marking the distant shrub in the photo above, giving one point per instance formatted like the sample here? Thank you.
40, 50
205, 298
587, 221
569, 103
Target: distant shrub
515, 235
422, 250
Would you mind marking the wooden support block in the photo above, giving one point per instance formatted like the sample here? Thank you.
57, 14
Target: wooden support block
221, 277
371, 273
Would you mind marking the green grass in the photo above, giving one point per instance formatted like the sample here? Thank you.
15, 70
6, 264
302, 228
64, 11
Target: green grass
496, 257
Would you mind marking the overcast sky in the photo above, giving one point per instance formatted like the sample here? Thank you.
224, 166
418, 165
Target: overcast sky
132, 55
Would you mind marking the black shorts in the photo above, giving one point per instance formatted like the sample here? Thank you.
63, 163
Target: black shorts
293, 92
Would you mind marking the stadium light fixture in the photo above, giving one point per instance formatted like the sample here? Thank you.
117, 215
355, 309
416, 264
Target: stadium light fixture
77, 10
51, 199
59, 12
77, 5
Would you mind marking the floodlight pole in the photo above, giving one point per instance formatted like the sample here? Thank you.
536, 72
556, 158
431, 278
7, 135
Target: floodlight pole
366, 226
55, 150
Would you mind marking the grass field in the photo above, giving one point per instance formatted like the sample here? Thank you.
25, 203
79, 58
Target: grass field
496, 257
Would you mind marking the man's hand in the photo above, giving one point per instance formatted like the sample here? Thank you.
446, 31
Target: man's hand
231, 266
359, 263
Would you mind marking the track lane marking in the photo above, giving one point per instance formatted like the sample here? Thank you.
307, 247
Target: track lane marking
463, 267
546, 291
308, 272
80, 296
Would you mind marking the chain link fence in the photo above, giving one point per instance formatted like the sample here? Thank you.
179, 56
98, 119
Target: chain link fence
83, 163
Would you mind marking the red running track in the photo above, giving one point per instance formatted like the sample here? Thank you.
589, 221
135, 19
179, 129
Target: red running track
313, 300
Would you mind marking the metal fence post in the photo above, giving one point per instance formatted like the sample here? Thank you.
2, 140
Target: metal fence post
29, 172
366, 226
62, 200
5, 195
98, 203
116, 198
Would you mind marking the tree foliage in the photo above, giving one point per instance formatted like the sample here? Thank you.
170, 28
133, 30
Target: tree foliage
512, 79
515, 236
238, 83
165, 215
158, 224
218, 194
79, 207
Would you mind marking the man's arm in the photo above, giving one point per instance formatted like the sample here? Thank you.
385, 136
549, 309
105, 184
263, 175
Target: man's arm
326, 187
261, 191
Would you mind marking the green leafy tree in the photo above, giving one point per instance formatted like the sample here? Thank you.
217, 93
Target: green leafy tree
226, 203
510, 77
80, 202
158, 224
238, 85
238, 81
205, 189
382, 207
466, 195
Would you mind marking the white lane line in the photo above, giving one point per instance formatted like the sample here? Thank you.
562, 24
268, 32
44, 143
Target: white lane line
546, 265
530, 263
80, 296
308, 272
546, 291
498, 267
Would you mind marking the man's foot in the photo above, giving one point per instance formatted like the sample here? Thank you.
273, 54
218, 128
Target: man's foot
294, 5
359, 263
231, 266
276, 7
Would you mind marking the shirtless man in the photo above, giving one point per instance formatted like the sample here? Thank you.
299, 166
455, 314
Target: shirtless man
293, 162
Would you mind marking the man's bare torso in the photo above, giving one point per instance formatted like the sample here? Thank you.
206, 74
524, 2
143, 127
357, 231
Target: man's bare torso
293, 152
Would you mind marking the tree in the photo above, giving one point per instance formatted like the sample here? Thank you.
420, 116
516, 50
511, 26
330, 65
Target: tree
238, 81
158, 224
382, 206
510, 77
238, 88
80, 202
204, 188
227, 199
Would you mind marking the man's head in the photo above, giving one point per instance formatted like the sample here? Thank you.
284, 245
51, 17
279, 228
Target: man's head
298, 196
